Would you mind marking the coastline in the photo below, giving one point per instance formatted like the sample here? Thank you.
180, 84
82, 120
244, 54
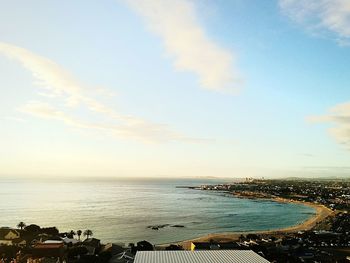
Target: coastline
321, 212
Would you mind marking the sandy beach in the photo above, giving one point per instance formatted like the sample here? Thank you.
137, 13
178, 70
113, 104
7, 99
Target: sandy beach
321, 212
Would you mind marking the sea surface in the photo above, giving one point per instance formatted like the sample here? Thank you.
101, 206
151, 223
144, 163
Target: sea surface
122, 210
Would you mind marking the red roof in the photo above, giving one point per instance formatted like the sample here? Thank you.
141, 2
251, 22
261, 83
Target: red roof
48, 246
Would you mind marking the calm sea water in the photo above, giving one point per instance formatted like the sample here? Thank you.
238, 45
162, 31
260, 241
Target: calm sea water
121, 210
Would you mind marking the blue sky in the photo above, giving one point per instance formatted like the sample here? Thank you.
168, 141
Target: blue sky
175, 88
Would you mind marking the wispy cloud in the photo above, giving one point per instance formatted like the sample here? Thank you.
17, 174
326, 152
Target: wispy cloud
339, 117
143, 131
176, 23
332, 16
13, 118
60, 84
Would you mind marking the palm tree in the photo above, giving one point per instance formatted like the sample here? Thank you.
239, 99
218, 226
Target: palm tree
87, 233
21, 225
79, 233
72, 234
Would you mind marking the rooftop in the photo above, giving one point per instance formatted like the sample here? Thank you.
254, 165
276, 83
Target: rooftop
48, 245
202, 256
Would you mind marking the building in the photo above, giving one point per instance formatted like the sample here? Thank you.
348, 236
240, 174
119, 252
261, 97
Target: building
11, 237
69, 241
53, 250
43, 260
123, 257
93, 245
203, 256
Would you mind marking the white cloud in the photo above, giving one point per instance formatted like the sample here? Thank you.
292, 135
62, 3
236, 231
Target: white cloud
175, 22
332, 16
13, 118
143, 131
46, 73
339, 117
58, 83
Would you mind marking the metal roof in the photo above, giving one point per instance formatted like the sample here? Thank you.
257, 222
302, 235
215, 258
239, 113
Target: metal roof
200, 256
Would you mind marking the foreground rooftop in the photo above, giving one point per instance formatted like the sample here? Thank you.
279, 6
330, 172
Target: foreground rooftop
201, 256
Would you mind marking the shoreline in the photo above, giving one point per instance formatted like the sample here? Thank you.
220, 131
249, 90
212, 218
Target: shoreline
321, 212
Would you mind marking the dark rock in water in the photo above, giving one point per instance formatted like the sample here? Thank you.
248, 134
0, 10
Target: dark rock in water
157, 227
177, 226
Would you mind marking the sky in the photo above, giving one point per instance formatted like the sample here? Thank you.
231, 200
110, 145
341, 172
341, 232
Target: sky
175, 88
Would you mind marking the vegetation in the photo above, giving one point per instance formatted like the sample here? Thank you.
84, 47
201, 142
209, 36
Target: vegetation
88, 233
71, 234
79, 232
21, 225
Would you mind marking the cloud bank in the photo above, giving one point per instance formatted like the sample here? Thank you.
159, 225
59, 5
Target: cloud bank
331, 16
339, 117
175, 22
60, 84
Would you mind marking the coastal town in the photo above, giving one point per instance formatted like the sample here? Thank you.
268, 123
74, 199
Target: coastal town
33, 244
322, 238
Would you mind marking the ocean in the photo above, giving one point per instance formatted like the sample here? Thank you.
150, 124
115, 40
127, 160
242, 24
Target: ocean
123, 210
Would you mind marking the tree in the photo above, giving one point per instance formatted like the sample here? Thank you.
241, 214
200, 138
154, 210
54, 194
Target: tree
51, 231
71, 234
87, 233
32, 229
21, 225
79, 233
144, 246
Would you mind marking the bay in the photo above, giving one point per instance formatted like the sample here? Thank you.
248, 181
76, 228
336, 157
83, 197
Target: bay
122, 210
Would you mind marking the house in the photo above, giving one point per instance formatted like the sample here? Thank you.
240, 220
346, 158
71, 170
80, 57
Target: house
113, 253
20, 242
43, 260
69, 241
11, 237
51, 241
123, 257
93, 245
203, 256
54, 250
111, 248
